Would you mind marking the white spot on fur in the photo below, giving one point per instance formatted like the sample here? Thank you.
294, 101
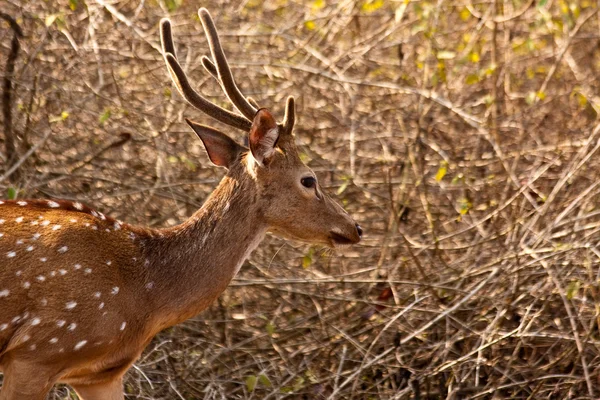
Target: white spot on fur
71, 305
18, 220
78, 206
101, 306
26, 285
88, 271
115, 290
53, 204
150, 285
3, 327
22, 203
53, 340
44, 302
63, 249
41, 278
123, 325
35, 321
56, 227
45, 223
30, 248
11, 254
62, 271
72, 326
43, 259
36, 236
4, 293
77, 266
60, 323
79, 345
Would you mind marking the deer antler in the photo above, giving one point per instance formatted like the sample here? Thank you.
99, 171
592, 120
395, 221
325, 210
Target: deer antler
220, 70
185, 89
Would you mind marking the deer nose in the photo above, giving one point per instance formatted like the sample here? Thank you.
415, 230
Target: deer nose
359, 230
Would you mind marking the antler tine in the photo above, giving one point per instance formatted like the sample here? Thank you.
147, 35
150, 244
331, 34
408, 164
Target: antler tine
166, 37
211, 69
225, 75
185, 89
290, 115
196, 100
253, 102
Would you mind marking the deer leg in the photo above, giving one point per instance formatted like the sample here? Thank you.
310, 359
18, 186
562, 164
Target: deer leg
111, 390
25, 381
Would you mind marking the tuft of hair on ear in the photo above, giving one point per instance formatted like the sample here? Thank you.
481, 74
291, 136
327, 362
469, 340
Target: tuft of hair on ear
222, 150
263, 136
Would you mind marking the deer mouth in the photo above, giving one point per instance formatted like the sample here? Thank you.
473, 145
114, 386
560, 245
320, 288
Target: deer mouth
340, 239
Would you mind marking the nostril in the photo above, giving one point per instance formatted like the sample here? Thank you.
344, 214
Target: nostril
359, 230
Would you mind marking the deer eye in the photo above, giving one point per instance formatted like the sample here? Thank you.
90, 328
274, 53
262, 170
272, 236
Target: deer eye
308, 182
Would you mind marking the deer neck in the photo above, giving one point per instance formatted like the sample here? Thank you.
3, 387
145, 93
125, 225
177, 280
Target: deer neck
190, 265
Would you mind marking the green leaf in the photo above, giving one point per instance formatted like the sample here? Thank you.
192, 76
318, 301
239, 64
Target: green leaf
270, 327
104, 116
58, 118
310, 25
50, 19
12, 193
465, 14
298, 383
474, 57
464, 205
173, 5
572, 289
541, 95
188, 163
308, 258
441, 172
372, 5
530, 99
172, 159
317, 5
251, 383
542, 3
343, 187
73, 4
472, 79
264, 380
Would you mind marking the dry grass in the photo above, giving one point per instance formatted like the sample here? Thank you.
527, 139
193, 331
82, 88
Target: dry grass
462, 138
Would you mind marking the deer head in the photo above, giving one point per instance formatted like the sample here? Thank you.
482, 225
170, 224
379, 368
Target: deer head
292, 202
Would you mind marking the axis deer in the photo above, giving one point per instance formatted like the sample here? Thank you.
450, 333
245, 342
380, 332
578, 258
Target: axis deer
82, 294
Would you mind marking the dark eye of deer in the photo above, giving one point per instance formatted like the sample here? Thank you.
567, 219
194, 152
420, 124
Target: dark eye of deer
308, 182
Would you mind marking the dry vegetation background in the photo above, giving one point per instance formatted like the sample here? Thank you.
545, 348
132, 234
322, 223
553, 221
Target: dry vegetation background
462, 135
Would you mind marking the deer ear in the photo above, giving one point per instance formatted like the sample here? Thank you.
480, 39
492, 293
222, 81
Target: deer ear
263, 136
222, 150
